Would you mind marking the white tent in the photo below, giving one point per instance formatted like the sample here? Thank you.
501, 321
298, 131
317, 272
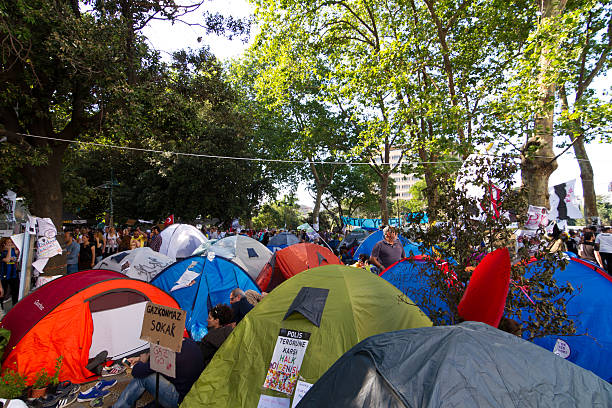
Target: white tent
139, 263
248, 253
180, 240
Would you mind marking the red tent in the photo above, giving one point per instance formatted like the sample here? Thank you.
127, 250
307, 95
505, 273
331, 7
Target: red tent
292, 260
77, 316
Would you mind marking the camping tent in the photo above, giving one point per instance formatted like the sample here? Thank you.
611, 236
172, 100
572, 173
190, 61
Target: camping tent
292, 260
355, 237
198, 283
282, 240
588, 306
180, 240
468, 365
349, 305
250, 254
368, 244
76, 317
140, 263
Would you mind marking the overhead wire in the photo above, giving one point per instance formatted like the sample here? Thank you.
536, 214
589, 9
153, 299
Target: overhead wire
258, 159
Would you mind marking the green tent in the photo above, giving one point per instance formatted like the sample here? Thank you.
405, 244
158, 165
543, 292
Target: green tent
349, 305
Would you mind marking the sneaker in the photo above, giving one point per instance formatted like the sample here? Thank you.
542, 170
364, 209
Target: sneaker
98, 402
92, 394
115, 369
105, 384
65, 400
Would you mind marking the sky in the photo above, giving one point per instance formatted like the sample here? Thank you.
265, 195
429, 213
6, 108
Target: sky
167, 38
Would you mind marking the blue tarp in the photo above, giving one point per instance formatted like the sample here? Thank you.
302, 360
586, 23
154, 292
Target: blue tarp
213, 284
591, 311
368, 244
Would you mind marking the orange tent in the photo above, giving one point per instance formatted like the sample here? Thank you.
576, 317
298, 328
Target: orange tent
292, 260
77, 316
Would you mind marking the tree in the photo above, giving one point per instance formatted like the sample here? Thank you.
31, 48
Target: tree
464, 236
283, 213
588, 115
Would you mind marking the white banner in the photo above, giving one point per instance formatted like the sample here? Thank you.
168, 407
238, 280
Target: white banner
536, 217
286, 360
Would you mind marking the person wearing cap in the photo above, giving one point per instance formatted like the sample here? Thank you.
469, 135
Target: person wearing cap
387, 251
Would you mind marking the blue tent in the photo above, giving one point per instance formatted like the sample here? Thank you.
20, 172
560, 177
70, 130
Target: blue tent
591, 311
410, 276
368, 244
198, 283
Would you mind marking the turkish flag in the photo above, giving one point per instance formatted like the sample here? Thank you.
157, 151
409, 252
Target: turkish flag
169, 220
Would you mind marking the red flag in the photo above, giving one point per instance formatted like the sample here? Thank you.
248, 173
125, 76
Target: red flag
495, 194
169, 220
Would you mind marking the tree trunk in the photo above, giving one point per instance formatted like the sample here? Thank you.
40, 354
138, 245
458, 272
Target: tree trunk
384, 189
586, 175
538, 162
44, 183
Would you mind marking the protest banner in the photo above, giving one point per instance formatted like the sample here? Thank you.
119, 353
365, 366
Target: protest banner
286, 360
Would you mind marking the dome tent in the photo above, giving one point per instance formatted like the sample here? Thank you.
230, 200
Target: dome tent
588, 307
368, 244
282, 240
140, 263
358, 305
470, 364
250, 254
77, 316
198, 283
292, 260
180, 240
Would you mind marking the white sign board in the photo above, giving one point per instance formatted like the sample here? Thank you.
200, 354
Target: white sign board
536, 217
163, 360
562, 349
286, 361
301, 389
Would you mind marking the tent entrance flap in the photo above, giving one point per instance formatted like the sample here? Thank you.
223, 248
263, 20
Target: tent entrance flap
310, 303
116, 334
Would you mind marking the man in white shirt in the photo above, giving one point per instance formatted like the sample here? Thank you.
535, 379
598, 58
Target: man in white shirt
603, 249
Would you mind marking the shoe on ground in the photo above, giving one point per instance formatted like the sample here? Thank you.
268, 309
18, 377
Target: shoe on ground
115, 369
65, 400
105, 384
92, 394
98, 402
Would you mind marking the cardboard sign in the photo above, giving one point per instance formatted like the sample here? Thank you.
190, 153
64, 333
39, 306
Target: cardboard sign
164, 326
163, 360
286, 360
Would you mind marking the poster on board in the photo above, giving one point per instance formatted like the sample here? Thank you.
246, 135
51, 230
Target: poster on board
286, 360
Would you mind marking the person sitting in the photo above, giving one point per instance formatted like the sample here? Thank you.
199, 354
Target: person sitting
219, 328
240, 305
189, 366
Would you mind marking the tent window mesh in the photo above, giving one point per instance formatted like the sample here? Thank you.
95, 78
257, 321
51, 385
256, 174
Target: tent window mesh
252, 253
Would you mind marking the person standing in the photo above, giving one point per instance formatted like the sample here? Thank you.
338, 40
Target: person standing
99, 245
87, 254
586, 250
72, 253
387, 251
8, 270
603, 249
111, 242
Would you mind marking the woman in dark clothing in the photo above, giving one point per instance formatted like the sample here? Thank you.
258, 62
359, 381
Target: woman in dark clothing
99, 245
87, 255
8, 269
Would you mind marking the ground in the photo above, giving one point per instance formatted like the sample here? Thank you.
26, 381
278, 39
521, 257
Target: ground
122, 382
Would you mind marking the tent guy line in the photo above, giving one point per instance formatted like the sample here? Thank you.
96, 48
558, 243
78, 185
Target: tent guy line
211, 156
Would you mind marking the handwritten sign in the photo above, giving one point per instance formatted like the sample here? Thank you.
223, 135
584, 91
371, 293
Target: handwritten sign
163, 360
301, 389
286, 360
536, 217
163, 325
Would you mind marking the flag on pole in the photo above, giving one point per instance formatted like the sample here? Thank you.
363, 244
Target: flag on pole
563, 202
169, 220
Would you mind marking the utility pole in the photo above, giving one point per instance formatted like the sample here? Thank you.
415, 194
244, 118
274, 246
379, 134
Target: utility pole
109, 185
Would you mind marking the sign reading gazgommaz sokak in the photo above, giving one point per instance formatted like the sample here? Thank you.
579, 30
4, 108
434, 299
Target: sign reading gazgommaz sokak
286, 360
163, 325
